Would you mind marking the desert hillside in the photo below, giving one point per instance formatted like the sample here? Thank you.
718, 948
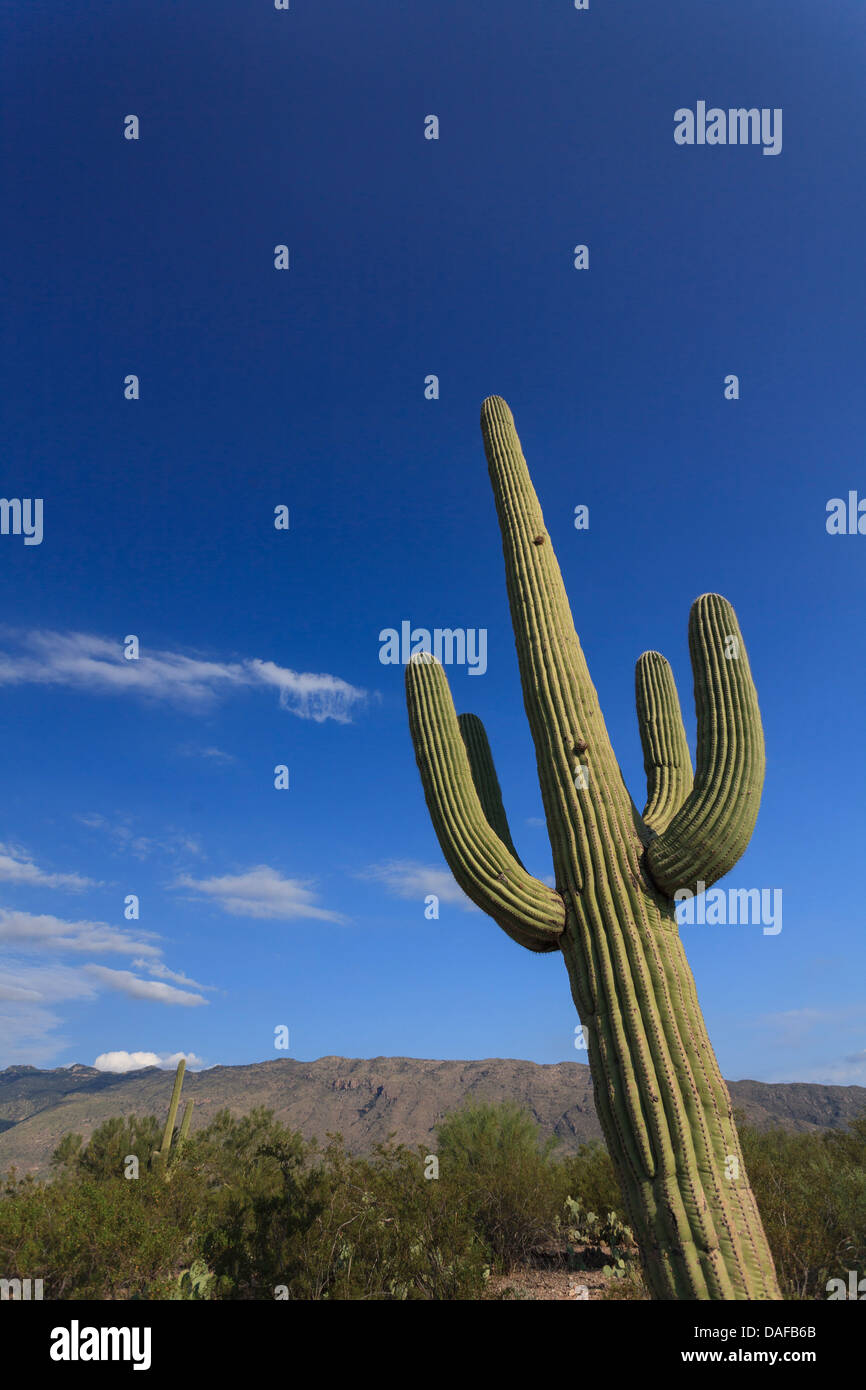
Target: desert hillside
365, 1100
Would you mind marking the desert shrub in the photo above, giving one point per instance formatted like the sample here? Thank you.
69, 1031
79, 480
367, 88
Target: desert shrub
493, 1161
93, 1233
262, 1200
88, 1238
106, 1151
588, 1176
408, 1236
811, 1193
251, 1208
630, 1287
343, 1227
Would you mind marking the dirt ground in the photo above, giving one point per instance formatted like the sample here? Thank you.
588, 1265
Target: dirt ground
546, 1276
534, 1283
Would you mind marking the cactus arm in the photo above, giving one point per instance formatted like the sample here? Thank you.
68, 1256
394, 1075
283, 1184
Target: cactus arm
484, 867
172, 1109
666, 758
484, 776
184, 1124
712, 828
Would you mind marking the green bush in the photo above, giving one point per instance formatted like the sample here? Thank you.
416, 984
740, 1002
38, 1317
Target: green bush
492, 1161
87, 1238
811, 1193
343, 1227
253, 1211
588, 1175
106, 1152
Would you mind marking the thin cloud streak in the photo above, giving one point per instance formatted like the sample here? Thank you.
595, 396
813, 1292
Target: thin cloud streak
17, 866
97, 666
407, 878
262, 892
124, 982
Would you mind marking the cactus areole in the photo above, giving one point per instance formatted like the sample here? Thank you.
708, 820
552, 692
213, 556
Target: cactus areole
663, 1105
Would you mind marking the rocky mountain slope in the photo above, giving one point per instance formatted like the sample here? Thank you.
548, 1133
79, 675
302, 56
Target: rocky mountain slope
364, 1100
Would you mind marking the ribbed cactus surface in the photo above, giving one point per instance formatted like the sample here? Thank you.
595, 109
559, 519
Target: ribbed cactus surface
160, 1157
663, 1105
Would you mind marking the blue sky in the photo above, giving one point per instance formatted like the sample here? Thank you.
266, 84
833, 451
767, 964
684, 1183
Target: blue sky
306, 388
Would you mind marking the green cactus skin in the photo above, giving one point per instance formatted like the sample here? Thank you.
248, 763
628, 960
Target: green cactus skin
184, 1125
159, 1157
168, 1132
663, 1105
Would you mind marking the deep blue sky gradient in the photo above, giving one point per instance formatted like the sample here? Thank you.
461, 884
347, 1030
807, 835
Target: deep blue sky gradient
306, 387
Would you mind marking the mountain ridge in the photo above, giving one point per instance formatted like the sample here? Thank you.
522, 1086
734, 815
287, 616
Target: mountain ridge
365, 1099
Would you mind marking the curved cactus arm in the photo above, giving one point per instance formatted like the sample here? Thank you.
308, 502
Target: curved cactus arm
484, 776
713, 826
666, 759
484, 867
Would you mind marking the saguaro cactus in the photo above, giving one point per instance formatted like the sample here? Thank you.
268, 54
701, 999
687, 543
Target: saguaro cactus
160, 1156
663, 1105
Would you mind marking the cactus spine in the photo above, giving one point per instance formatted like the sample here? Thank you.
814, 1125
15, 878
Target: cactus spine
160, 1156
663, 1105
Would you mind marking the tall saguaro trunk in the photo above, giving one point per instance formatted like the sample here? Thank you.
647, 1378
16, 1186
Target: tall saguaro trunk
171, 1146
663, 1105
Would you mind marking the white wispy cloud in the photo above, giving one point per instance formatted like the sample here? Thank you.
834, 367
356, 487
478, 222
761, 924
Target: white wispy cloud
17, 866
28, 1034
310, 696
157, 967
28, 1023
806, 1030
127, 841
135, 1061
262, 892
43, 932
124, 982
42, 984
34, 977
83, 661
843, 1071
791, 1027
406, 878
213, 755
